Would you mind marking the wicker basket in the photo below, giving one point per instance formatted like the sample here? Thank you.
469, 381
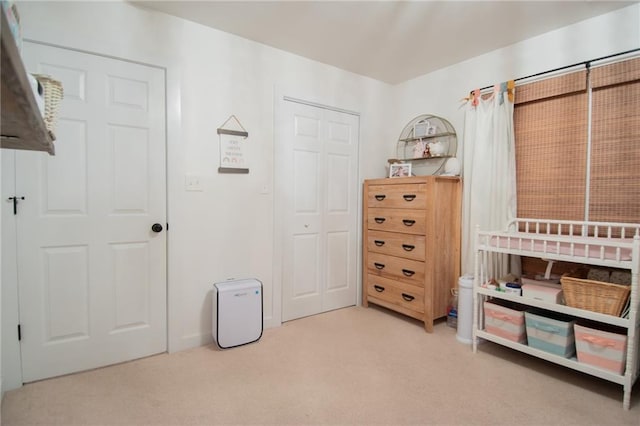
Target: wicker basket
53, 94
595, 296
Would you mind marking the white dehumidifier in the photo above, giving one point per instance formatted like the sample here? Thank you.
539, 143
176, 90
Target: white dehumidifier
237, 312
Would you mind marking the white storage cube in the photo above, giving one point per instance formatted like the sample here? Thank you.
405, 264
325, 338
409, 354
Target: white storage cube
540, 290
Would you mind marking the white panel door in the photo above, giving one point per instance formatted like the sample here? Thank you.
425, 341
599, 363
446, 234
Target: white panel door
319, 171
91, 272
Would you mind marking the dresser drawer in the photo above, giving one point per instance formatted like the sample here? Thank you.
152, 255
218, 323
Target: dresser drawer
397, 220
401, 196
396, 293
408, 246
407, 270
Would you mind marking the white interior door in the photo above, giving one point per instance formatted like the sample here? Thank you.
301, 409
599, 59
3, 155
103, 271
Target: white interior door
319, 169
91, 272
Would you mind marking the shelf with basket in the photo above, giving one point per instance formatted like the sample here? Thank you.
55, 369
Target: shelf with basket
601, 317
23, 127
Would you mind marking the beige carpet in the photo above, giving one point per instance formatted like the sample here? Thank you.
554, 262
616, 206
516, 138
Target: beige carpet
351, 366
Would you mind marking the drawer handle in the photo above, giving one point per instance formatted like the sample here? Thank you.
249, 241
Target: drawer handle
378, 288
379, 219
379, 265
408, 222
379, 243
408, 247
408, 272
380, 197
407, 297
409, 197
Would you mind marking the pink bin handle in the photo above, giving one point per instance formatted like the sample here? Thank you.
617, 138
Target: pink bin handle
599, 341
503, 317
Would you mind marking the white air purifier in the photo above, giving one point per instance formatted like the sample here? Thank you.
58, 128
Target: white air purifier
237, 312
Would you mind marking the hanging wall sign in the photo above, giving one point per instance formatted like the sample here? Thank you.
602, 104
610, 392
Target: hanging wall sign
232, 148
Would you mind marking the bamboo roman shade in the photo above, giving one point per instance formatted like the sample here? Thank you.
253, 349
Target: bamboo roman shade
615, 137
550, 123
553, 159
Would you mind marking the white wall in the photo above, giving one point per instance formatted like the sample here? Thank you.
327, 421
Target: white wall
440, 92
1, 388
10, 350
227, 229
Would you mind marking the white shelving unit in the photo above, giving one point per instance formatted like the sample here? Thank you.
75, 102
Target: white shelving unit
590, 243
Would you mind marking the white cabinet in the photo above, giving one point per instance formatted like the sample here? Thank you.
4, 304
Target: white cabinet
590, 243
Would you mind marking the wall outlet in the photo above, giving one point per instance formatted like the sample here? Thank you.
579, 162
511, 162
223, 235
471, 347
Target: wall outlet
192, 183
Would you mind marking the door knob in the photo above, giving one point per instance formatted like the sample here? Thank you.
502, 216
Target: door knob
156, 227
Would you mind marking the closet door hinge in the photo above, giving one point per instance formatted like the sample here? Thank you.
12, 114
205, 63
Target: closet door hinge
19, 333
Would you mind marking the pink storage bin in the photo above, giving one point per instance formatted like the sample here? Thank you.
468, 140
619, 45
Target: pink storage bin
602, 349
505, 321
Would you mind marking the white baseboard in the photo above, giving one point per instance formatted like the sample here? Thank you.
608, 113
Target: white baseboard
271, 322
202, 339
191, 341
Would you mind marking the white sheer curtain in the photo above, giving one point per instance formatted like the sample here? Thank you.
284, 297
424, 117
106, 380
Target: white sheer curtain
489, 196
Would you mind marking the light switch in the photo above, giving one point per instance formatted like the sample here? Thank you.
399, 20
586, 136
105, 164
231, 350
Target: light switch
192, 183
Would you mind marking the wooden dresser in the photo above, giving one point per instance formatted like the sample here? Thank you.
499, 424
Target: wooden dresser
411, 244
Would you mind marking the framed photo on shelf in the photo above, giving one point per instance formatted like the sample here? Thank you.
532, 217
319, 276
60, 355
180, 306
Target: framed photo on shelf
420, 129
399, 170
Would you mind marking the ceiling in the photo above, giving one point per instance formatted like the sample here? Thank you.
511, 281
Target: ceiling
391, 41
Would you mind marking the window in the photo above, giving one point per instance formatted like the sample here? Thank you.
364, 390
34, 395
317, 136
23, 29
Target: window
550, 123
614, 189
575, 162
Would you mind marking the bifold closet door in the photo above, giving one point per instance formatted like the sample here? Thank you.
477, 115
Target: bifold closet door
320, 185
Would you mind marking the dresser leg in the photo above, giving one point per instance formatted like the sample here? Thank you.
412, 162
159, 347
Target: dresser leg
428, 326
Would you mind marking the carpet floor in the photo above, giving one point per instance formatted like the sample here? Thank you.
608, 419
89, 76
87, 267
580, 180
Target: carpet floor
350, 366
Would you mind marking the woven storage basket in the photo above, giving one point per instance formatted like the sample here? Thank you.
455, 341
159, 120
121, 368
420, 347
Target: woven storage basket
595, 296
53, 94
